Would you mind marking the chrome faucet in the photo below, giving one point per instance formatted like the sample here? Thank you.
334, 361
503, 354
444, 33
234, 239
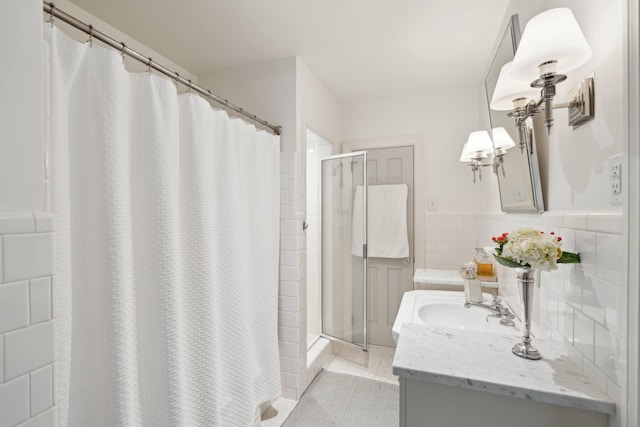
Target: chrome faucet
497, 310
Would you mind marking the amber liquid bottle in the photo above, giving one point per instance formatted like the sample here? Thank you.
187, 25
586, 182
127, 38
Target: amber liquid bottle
484, 263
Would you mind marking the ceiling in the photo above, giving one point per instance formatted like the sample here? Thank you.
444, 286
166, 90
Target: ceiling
360, 49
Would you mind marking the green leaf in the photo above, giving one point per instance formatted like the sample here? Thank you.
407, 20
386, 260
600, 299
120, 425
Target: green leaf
507, 262
569, 258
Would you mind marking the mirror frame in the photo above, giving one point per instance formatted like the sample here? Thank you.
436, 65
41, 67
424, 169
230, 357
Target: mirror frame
535, 201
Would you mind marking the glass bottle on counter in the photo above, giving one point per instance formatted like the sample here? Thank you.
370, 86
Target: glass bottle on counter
484, 261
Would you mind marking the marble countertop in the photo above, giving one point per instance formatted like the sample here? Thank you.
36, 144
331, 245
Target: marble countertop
444, 277
483, 361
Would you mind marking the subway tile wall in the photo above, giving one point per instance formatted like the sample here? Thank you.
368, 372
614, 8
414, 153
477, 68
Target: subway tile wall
582, 305
27, 330
450, 239
292, 296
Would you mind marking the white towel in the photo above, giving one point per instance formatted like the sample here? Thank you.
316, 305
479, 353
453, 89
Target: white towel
387, 221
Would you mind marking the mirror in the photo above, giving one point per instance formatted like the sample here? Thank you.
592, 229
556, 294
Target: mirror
519, 175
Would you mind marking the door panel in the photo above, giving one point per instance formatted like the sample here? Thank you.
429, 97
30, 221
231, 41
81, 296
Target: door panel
343, 247
389, 278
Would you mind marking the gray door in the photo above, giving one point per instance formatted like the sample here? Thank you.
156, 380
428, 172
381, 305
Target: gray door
389, 278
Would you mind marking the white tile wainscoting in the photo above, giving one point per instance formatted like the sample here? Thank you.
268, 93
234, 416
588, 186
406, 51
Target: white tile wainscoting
27, 330
292, 293
450, 239
582, 305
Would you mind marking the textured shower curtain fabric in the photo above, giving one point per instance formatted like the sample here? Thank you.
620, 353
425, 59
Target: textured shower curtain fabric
167, 220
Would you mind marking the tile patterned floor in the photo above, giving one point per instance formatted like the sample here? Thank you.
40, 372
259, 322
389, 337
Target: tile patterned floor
375, 364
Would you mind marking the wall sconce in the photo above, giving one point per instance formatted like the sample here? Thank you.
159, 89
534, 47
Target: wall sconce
552, 44
479, 146
514, 95
501, 143
475, 150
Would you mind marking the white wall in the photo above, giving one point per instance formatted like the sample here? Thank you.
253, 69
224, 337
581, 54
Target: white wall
21, 106
27, 350
27, 337
267, 90
317, 108
445, 119
100, 25
633, 330
583, 306
574, 162
586, 305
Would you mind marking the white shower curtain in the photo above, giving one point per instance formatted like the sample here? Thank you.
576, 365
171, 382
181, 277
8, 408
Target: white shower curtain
167, 219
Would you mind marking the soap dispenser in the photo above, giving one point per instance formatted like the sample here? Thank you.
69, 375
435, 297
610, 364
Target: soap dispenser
484, 262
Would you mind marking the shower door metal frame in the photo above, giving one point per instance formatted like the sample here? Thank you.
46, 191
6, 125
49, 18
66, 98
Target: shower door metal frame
365, 346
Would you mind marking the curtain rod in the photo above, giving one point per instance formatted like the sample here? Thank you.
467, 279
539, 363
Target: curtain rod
52, 10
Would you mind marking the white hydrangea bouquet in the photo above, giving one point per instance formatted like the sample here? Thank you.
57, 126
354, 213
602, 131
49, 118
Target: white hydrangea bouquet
531, 248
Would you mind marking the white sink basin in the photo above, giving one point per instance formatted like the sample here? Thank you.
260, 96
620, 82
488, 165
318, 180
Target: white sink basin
452, 315
446, 309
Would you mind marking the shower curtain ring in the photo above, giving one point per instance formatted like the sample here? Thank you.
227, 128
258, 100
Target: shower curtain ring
90, 41
189, 87
177, 79
149, 65
123, 50
52, 12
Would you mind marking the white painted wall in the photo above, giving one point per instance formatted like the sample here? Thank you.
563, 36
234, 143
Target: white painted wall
26, 243
267, 90
445, 119
317, 108
585, 306
21, 106
633, 329
574, 162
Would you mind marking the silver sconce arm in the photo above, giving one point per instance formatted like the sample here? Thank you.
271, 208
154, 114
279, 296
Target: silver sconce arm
581, 105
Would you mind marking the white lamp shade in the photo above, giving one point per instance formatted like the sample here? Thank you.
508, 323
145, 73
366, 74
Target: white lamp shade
467, 155
502, 139
507, 89
478, 145
553, 35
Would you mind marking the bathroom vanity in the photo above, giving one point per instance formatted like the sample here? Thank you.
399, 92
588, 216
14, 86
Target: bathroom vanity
460, 377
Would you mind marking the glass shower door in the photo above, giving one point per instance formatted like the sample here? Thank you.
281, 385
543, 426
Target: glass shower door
344, 247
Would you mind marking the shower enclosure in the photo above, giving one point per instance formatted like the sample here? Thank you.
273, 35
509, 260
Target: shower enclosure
344, 247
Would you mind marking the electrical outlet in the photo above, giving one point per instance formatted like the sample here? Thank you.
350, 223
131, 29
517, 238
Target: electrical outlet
615, 179
615, 187
614, 168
